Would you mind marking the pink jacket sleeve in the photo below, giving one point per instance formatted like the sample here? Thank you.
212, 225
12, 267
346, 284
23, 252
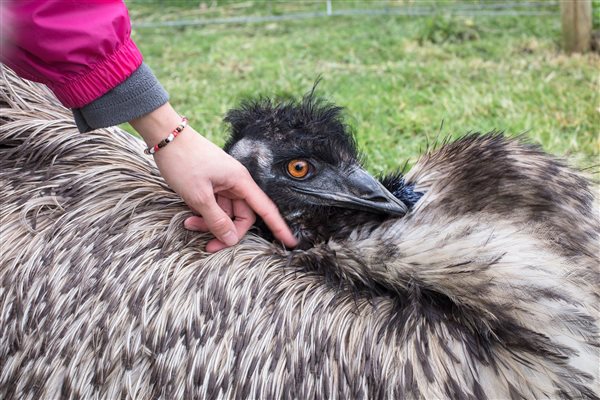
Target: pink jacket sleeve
79, 49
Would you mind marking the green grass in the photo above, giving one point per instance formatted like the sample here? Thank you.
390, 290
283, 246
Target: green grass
399, 78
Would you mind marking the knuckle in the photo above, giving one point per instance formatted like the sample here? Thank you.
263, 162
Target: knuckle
220, 225
269, 215
243, 172
202, 197
277, 231
246, 220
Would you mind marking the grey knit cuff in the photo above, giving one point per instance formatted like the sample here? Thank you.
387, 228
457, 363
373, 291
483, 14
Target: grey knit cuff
138, 95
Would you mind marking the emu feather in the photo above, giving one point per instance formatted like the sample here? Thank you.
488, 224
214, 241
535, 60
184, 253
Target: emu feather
488, 288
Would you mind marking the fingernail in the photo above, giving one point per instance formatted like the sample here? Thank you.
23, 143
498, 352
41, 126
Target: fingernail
230, 238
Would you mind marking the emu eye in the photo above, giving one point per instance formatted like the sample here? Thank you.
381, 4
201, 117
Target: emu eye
298, 168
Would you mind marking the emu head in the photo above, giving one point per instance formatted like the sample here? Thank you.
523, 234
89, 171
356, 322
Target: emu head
304, 157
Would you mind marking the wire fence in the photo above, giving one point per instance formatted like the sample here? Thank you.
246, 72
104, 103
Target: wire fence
328, 8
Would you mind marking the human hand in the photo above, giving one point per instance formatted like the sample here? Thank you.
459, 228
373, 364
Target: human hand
211, 182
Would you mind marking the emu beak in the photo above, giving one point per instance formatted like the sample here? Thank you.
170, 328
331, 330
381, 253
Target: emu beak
359, 191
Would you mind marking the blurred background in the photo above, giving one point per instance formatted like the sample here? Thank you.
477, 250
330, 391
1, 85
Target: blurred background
406, 72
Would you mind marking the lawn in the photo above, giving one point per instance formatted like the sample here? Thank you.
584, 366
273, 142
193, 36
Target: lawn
403, 81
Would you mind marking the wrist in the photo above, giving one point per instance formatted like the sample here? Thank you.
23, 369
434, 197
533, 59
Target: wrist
156, 125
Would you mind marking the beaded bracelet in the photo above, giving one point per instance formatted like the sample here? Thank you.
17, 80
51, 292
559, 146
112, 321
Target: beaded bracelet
168, 139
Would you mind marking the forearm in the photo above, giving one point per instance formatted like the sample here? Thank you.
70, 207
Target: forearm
137, 96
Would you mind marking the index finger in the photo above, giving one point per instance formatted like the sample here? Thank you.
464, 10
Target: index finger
267, 210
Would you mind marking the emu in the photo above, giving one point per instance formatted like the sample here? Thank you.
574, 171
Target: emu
487, 286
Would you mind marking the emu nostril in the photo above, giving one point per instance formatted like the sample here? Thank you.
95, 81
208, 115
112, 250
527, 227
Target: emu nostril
374, 197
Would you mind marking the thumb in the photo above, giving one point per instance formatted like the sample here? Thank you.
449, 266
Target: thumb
217, 221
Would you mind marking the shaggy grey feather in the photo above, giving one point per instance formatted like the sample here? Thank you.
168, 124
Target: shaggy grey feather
488, 288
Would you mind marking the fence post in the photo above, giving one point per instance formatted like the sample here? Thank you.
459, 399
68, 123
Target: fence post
329, 8
576, 16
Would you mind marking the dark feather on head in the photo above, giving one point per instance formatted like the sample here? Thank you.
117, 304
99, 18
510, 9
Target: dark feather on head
305, 158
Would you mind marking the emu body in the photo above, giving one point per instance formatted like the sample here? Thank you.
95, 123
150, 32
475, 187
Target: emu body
479, 291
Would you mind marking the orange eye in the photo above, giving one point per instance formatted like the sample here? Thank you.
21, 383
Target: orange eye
298, 168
